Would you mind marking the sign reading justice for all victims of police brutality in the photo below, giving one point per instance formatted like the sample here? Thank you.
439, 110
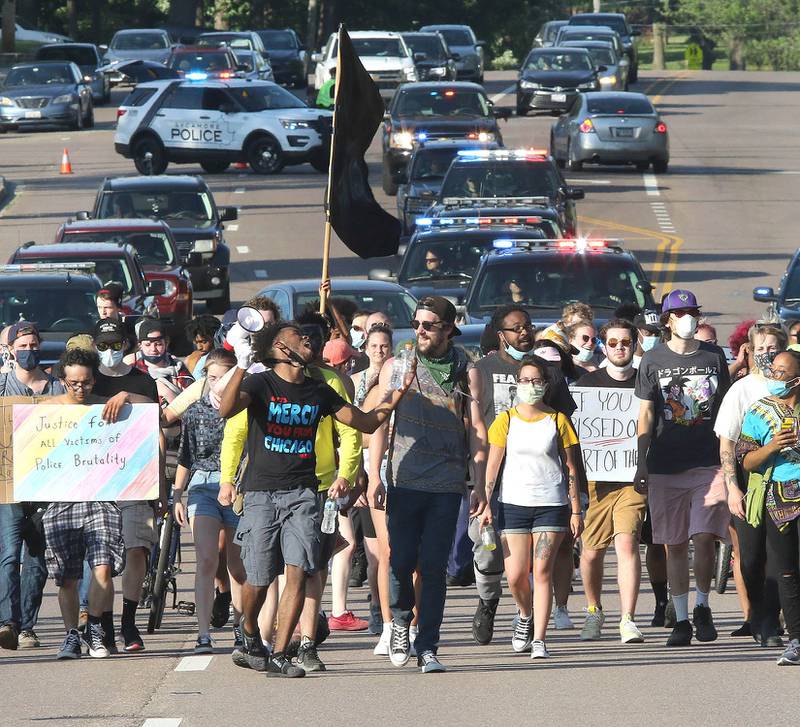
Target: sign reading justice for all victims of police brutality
68, 453
605, 422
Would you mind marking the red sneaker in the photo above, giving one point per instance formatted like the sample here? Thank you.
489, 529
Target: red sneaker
347, 622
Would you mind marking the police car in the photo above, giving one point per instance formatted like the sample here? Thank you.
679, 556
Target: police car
216, 122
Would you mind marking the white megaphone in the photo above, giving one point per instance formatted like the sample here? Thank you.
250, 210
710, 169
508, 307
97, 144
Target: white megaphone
250, 319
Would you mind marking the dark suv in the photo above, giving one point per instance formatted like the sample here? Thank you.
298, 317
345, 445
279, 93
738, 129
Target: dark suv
186, 204
617, 22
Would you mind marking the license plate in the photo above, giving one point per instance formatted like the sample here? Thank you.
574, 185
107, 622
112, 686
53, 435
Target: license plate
624, 132
33, 114
558, 97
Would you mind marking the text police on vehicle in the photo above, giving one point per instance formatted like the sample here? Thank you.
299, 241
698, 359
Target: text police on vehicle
217, 122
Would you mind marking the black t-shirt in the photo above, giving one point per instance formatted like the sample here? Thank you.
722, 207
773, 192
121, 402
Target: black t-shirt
600, 380
686, 390
134, 382
282, 421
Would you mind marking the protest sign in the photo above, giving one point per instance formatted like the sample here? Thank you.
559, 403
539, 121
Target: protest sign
6, 446
68, 453
605, 421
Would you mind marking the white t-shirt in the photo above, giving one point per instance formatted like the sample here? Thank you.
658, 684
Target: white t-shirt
740, 397
533, 475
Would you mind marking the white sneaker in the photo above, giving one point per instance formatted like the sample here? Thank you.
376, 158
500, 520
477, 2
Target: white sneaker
539, 650
398, 645
593, 625
629, 632
412, 637
521, 639
382, 647
561, 619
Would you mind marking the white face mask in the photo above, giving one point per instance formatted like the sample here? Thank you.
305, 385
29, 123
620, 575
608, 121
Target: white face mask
110, 358
357, 338
584, 355
685, 327
619, 369
531, 393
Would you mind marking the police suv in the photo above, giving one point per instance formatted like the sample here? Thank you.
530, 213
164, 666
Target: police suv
215, 123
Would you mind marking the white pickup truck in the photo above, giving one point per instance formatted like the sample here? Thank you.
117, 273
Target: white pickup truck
385, 56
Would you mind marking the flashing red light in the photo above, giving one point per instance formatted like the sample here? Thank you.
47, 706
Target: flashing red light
510, 220
484, 220
533, 220
661, 128
472, 135
226, 74
567, 244
121, 112
449, 93
586, 127
597, 243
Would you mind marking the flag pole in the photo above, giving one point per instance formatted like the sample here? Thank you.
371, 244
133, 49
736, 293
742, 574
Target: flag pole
326, 240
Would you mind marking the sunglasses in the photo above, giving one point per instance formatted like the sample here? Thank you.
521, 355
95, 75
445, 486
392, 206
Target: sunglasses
681, 312
115, 346
614, 342
427, 325
521, 328
431, 259
586, 338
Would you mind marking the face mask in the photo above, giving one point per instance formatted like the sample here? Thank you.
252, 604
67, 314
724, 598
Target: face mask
515, 353
584, 355
357, 337
154, 359
28, 359
764, 360
649, 342
781, 389
685, 327
548, 353
620, 369
531, 393
110, 358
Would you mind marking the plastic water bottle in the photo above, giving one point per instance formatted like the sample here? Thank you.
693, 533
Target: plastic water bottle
488, 537
329, 516
401, 366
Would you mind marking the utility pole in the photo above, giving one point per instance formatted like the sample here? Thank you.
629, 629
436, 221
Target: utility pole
9, 30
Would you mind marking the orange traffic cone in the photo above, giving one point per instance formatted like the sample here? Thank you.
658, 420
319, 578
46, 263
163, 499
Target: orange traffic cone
66, 166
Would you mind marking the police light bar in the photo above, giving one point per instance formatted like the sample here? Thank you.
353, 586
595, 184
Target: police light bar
476, 221
502, 154
580, 245
48, 268
497, 202
196, 76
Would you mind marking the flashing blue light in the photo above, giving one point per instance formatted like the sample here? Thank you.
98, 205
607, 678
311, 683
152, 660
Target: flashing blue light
422, 136
472, 153
424, 221
502, 244
196, 76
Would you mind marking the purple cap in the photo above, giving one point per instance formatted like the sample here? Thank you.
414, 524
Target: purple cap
678, 299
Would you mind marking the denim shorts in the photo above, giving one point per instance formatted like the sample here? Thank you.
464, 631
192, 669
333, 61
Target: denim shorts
539, 519
203, 491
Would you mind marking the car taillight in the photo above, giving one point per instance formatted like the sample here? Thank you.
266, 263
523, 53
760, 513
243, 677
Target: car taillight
586, 127
661, 128
121, 112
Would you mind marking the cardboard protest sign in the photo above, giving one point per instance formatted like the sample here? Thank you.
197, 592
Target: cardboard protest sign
67, 453
6, 446
605, 421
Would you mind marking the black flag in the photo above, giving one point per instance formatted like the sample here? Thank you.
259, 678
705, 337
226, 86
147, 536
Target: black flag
361, 223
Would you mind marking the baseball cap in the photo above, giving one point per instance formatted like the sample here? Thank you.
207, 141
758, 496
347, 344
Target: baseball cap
151, 325
647, 320
109, 331
113, 291
22, 328
338, 351
442, 308
677, 300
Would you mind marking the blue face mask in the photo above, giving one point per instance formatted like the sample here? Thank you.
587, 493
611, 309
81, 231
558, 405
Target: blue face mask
649, 342
28, 359
781, 389
515, 353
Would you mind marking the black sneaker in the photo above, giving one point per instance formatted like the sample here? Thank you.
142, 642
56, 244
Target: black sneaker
483, 621
252, 654
399, 646
110, 640
658, 615
461, 580
71, 648
681, 634
96, 637
744, 630
279, 666
221, 610
237, 636
9, 637
323, 632
704, 624
132, 638
308, 659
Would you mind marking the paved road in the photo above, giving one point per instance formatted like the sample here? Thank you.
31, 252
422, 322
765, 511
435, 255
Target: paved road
720, 221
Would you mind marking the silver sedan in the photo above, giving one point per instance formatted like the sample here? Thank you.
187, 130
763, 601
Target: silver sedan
611, 128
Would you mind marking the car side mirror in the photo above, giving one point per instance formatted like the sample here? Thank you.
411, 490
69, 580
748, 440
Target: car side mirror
575, 193
156, 287
401, 248
455, 56
645, 286
420, 57
600, 69
480, 43
381, 274
102, 48
502, 113
228, 214
316, 57
82, 215
242, 67
764, 295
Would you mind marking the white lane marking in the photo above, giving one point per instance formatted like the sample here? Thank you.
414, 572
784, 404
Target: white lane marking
232, 228
590, 181
651, 185
163, 722
239, 190
788, 171
504, 92
260, 274
194, 663
242, 249
65, 138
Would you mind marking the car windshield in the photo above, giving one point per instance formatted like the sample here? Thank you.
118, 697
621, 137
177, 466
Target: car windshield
201, 61
77, 55
559, 61
430, 45
603, 56
552, 31
245, 58
618, 105
431, 163
455, 36
193, 209
444, 102
277, 39
55, 74
234, 41
501, 179
552, 280
265, 98
140, 41
791, 291
381, 47
617, 24
52, 309
399, 306
108, 269
577, 34
152, 247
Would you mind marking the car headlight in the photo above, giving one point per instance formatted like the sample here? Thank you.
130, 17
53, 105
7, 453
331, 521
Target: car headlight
204, 245
6, 101
292, 124
588, 86
486, 136
401, 140
528, 85
608, 81
169, 289
438, 71
410, 74
64, 98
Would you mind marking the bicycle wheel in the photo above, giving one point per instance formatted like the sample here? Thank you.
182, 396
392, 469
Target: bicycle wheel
722, 567
159, 597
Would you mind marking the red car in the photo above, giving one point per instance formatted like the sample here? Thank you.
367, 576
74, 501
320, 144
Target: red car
158, 255
202, 63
